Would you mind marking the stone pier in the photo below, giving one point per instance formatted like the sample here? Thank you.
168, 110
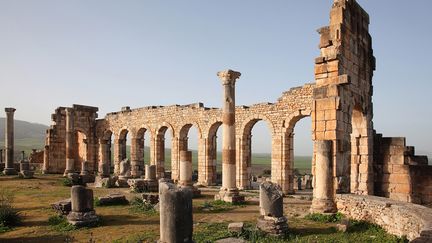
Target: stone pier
104, 166
9, 142
176, 222
45, 166
70, 148
186, 172
323, 195
228, 191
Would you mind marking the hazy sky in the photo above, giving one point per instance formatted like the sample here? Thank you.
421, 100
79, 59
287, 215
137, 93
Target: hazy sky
111, 54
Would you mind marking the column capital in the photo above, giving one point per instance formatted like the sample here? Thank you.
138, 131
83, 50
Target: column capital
10, 110
228, 77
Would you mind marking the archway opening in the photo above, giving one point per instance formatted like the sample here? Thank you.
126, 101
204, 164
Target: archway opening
106, 155
301, 151
361, 154
162, 152
189, 142
255, 154
81, 149
213, 170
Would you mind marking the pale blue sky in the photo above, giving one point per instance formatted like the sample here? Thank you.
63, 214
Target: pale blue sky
111, 54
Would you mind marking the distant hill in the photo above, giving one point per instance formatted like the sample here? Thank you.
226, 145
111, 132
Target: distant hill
27, 135
24, 130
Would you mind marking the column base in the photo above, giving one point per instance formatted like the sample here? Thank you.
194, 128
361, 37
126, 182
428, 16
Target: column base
323, 206
10, 171
195, 191
231, 196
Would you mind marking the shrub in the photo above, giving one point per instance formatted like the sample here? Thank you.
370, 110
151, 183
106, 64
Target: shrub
139, 206
9, 216
66, 182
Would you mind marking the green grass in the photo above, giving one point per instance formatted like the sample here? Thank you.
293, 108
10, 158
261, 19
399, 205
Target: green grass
325, 218
217, 206
359, 231
60, 224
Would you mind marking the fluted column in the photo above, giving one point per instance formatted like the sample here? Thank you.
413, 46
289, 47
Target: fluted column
70, 132
9, 142
229, 191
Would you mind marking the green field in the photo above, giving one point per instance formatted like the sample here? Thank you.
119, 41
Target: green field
261, 160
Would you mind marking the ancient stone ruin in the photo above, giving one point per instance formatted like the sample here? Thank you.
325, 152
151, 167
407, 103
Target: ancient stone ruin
272, 219
82, 212
351, 160
339, 103
176, 224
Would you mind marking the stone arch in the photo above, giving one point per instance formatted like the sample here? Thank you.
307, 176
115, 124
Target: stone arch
157, 147
81, 153
207, 172
248, 123
137, 150
244, 151
283, 151
360, 169
120, 147
182, 144
104, 152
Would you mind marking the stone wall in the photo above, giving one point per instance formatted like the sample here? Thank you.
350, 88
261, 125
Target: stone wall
399, 173
36, 157
280, 117
85, 125
398, 218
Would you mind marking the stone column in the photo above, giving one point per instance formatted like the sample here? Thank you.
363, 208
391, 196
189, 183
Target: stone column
176, 222
150, 173
229, 191
70, 132
136, 155
45, 166
323, 195
185, 168
9, 143
104, 166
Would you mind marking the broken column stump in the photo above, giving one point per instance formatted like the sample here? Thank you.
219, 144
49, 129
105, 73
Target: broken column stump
186, 173
272, 220
151, 183
176, 222
82, 213
125, 173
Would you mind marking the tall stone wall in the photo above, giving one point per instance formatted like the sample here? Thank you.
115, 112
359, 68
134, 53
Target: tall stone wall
55, 141
342, 110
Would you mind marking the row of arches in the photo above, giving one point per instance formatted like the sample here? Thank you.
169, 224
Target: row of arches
162, 147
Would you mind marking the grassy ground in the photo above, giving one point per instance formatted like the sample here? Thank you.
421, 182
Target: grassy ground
123, 224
